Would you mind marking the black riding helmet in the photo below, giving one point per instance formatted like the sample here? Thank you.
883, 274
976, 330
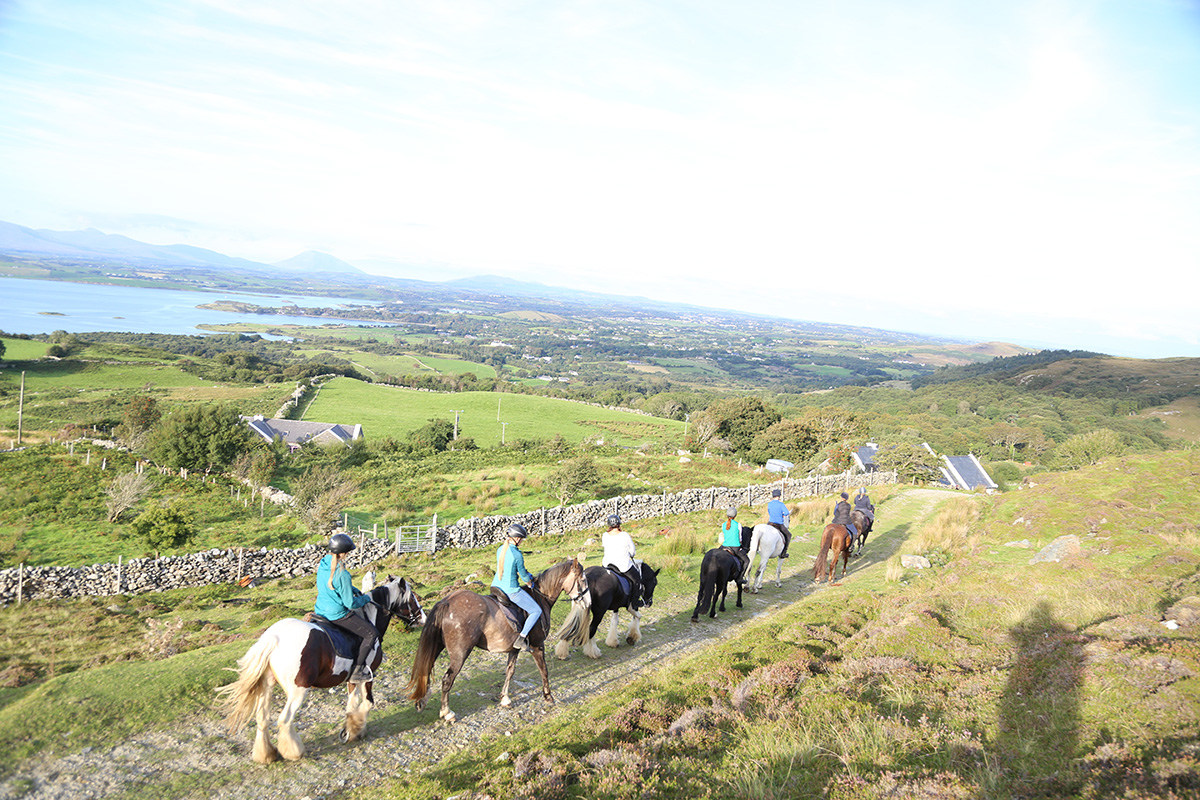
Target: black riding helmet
517, 531
340, 543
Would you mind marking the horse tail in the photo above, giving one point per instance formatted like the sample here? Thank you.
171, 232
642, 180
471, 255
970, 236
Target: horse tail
430, 647
826, 539
574, 626
240, 699
707, 585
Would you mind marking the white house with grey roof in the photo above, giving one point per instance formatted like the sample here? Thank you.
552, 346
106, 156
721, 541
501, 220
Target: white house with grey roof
297, 433
960, 472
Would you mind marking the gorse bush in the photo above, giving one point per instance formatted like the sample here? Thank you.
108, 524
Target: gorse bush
164, 527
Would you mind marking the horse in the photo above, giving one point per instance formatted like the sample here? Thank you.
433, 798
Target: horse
464, 620
606, 594
864, 525
718, 568
767, 541
835, 538
299, 656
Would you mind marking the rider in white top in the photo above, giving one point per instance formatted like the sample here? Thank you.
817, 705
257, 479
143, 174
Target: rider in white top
619, 551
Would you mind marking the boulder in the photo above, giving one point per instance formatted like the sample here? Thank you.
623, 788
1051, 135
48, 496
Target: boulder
915, 562
1057, 550
1186, 612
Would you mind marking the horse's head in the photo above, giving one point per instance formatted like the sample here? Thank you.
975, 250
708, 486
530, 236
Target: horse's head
577, 583
565, 576
649, 581
400, 601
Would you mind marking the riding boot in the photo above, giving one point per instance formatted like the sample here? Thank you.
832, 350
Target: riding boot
787, 541
521, 643
635, 590
362, 674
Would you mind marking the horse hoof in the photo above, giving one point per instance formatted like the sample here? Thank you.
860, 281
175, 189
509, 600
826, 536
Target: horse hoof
344, 735
449, 716
505, 701
695, 619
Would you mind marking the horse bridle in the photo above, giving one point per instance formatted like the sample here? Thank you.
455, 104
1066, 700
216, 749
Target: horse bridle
410, 612
582, 592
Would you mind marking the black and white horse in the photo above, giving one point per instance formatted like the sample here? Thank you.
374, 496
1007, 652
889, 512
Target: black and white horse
608, 593
299, 656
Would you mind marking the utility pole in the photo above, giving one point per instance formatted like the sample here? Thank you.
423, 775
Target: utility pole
456, 413
686, 419
503, 425
21, 408
498, 399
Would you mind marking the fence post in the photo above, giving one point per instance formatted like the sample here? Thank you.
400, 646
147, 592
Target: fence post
543, 519
749, 496
375, 532
345, 521
241, 556
664, 507
118, 574
433, 535
21, 583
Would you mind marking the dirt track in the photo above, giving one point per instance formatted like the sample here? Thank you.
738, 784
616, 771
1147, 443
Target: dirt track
199, 759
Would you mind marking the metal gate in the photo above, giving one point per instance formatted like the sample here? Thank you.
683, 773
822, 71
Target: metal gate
408, 538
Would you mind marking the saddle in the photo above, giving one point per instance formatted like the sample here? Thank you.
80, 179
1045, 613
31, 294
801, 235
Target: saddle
625, 584
516, 615
345, 643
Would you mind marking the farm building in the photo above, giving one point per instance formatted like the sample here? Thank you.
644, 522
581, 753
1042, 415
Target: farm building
296, 433
960, 472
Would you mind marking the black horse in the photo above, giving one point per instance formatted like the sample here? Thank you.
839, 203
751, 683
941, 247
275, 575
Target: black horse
864, 524
718, 568
607, 594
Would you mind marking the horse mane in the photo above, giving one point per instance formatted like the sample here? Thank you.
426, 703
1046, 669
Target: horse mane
555, 572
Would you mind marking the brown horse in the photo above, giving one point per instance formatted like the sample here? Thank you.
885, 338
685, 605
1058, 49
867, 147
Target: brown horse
465, 620
835, 538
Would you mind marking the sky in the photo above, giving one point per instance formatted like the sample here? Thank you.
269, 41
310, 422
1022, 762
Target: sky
1026, 171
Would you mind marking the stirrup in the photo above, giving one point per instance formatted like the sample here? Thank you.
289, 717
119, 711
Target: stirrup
521, 643
362, 674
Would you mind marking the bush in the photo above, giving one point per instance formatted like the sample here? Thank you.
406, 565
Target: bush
164, 527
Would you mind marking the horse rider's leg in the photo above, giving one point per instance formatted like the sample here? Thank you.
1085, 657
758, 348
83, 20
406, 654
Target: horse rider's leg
589, 647
456, 663
290, 746
539, 658
612, 639
264, 751
358, 704
634, 635
509, 668
787, 539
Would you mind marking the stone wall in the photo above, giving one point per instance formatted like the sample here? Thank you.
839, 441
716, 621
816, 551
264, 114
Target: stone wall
140, 575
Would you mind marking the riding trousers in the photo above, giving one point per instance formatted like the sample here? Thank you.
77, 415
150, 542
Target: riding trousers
359, 627
530, 606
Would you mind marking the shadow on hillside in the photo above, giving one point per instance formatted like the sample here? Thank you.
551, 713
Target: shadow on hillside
1039, 714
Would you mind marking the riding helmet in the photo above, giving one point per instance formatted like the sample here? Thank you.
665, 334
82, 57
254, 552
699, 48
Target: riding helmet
776, 493
845, 496
614, 520
732, 512
340, 543
517, 531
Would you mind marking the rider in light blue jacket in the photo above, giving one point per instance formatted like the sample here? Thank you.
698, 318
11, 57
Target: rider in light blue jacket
337, 600
510, 566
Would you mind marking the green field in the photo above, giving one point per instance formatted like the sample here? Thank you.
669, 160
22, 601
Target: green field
389, 411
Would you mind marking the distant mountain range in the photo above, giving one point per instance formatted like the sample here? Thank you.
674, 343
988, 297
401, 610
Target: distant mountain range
94, 245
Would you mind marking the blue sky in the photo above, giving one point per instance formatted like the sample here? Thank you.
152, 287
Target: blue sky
1025, 171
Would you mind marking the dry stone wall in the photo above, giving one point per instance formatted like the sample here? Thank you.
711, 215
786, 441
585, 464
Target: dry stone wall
140, 575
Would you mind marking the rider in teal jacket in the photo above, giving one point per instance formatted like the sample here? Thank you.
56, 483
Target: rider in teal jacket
510, 565
337, 599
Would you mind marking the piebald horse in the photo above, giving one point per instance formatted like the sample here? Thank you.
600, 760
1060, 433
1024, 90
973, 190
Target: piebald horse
835, 539
767, 541
606, 594
464, 620
299, 656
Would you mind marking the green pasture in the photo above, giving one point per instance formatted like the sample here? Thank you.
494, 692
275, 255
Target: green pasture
23, 349
386, 411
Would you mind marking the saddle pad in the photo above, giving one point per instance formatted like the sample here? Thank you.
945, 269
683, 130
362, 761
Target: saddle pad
626, 584
512, 612
345, 644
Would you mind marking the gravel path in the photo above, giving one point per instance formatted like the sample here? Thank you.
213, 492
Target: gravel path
198, 759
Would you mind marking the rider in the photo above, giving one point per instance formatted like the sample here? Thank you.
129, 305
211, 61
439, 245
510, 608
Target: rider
841, 516
619, 551
778, 515
337, 600
863, 503
731, 540
510, 564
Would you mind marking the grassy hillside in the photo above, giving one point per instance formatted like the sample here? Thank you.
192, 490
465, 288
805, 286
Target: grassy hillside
389, 411
984, 676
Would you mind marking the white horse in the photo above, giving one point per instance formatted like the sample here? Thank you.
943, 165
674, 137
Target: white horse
767, 541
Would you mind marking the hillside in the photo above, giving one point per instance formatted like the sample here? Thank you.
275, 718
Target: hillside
981, 676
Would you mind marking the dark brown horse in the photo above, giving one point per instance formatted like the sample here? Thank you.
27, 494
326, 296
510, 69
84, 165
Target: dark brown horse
864, 525
465, 620
836, 539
